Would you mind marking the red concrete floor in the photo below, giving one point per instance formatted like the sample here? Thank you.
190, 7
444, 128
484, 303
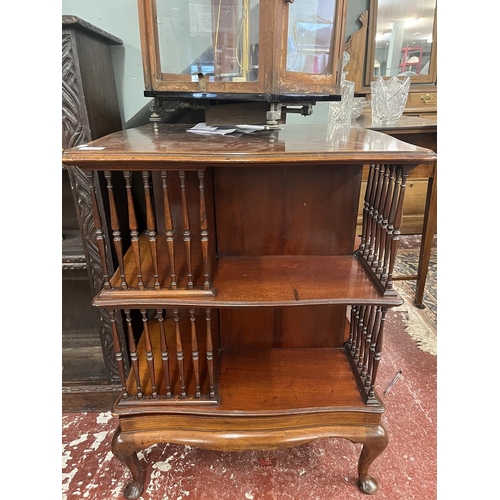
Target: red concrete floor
321, 470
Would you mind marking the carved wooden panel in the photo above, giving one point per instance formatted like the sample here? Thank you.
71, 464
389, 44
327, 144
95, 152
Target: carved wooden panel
356, 48
76, 130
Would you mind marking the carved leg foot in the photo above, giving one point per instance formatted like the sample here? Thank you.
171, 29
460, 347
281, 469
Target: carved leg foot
376, 442
124, 450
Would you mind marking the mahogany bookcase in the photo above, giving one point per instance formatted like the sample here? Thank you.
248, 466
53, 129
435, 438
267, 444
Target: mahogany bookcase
254, 313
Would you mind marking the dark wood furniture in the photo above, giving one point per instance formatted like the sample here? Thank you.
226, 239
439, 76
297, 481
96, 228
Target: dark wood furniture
420, 209
89, 110
251, 321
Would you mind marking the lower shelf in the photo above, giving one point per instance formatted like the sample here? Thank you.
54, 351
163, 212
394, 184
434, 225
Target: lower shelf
270, 382
268, 399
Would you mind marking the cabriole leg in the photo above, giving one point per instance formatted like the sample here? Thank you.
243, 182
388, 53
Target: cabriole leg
376, 442
124, 451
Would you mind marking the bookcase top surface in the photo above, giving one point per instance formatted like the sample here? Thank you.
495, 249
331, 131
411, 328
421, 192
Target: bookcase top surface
143, 147
75, 22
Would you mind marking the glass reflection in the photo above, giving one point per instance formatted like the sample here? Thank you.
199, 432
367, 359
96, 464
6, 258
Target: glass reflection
216, 38
404, 37
310, 30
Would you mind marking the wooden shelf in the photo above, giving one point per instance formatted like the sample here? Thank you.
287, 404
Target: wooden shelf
284, 280
260, 382
250, 381
273, 281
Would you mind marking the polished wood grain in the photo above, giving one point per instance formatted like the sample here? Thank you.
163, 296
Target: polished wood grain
405, 124
173, 147
279, 433
279, 202
289, 280
245, 372
282, 327
273, 281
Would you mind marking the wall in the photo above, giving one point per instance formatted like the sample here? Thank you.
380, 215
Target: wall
120, 18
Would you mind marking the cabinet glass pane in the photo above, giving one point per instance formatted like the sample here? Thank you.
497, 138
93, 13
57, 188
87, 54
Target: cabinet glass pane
310, 34
216, 38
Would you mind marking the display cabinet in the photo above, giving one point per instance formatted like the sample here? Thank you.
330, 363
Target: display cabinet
272, 54
254, 318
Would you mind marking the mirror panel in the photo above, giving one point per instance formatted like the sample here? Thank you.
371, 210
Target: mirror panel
402, 40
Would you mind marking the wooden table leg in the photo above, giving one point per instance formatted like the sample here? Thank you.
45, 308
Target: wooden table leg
429, 229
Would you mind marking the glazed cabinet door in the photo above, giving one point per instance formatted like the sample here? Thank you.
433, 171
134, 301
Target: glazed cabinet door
312, 38
203, 45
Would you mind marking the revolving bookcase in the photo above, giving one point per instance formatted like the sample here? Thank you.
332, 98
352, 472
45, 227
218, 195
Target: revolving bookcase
254, 313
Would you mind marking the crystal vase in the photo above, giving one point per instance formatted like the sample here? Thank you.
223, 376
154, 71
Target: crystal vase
388, 99
340, 111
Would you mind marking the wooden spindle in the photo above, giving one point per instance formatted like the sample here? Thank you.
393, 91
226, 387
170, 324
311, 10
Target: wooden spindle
151, 227
195, 353
118, 353
169, 229
180, 353
164, 352
210, 354
359, 329
351, 328
186, 229
132, 349
204, 231
375, 212
391, 220
149, 353
366, 210
132, 223
378, 237
378, 353
367, 340
354, 328
363, 334
115, 227
98, 231
396, 233
373, 342
385, 221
